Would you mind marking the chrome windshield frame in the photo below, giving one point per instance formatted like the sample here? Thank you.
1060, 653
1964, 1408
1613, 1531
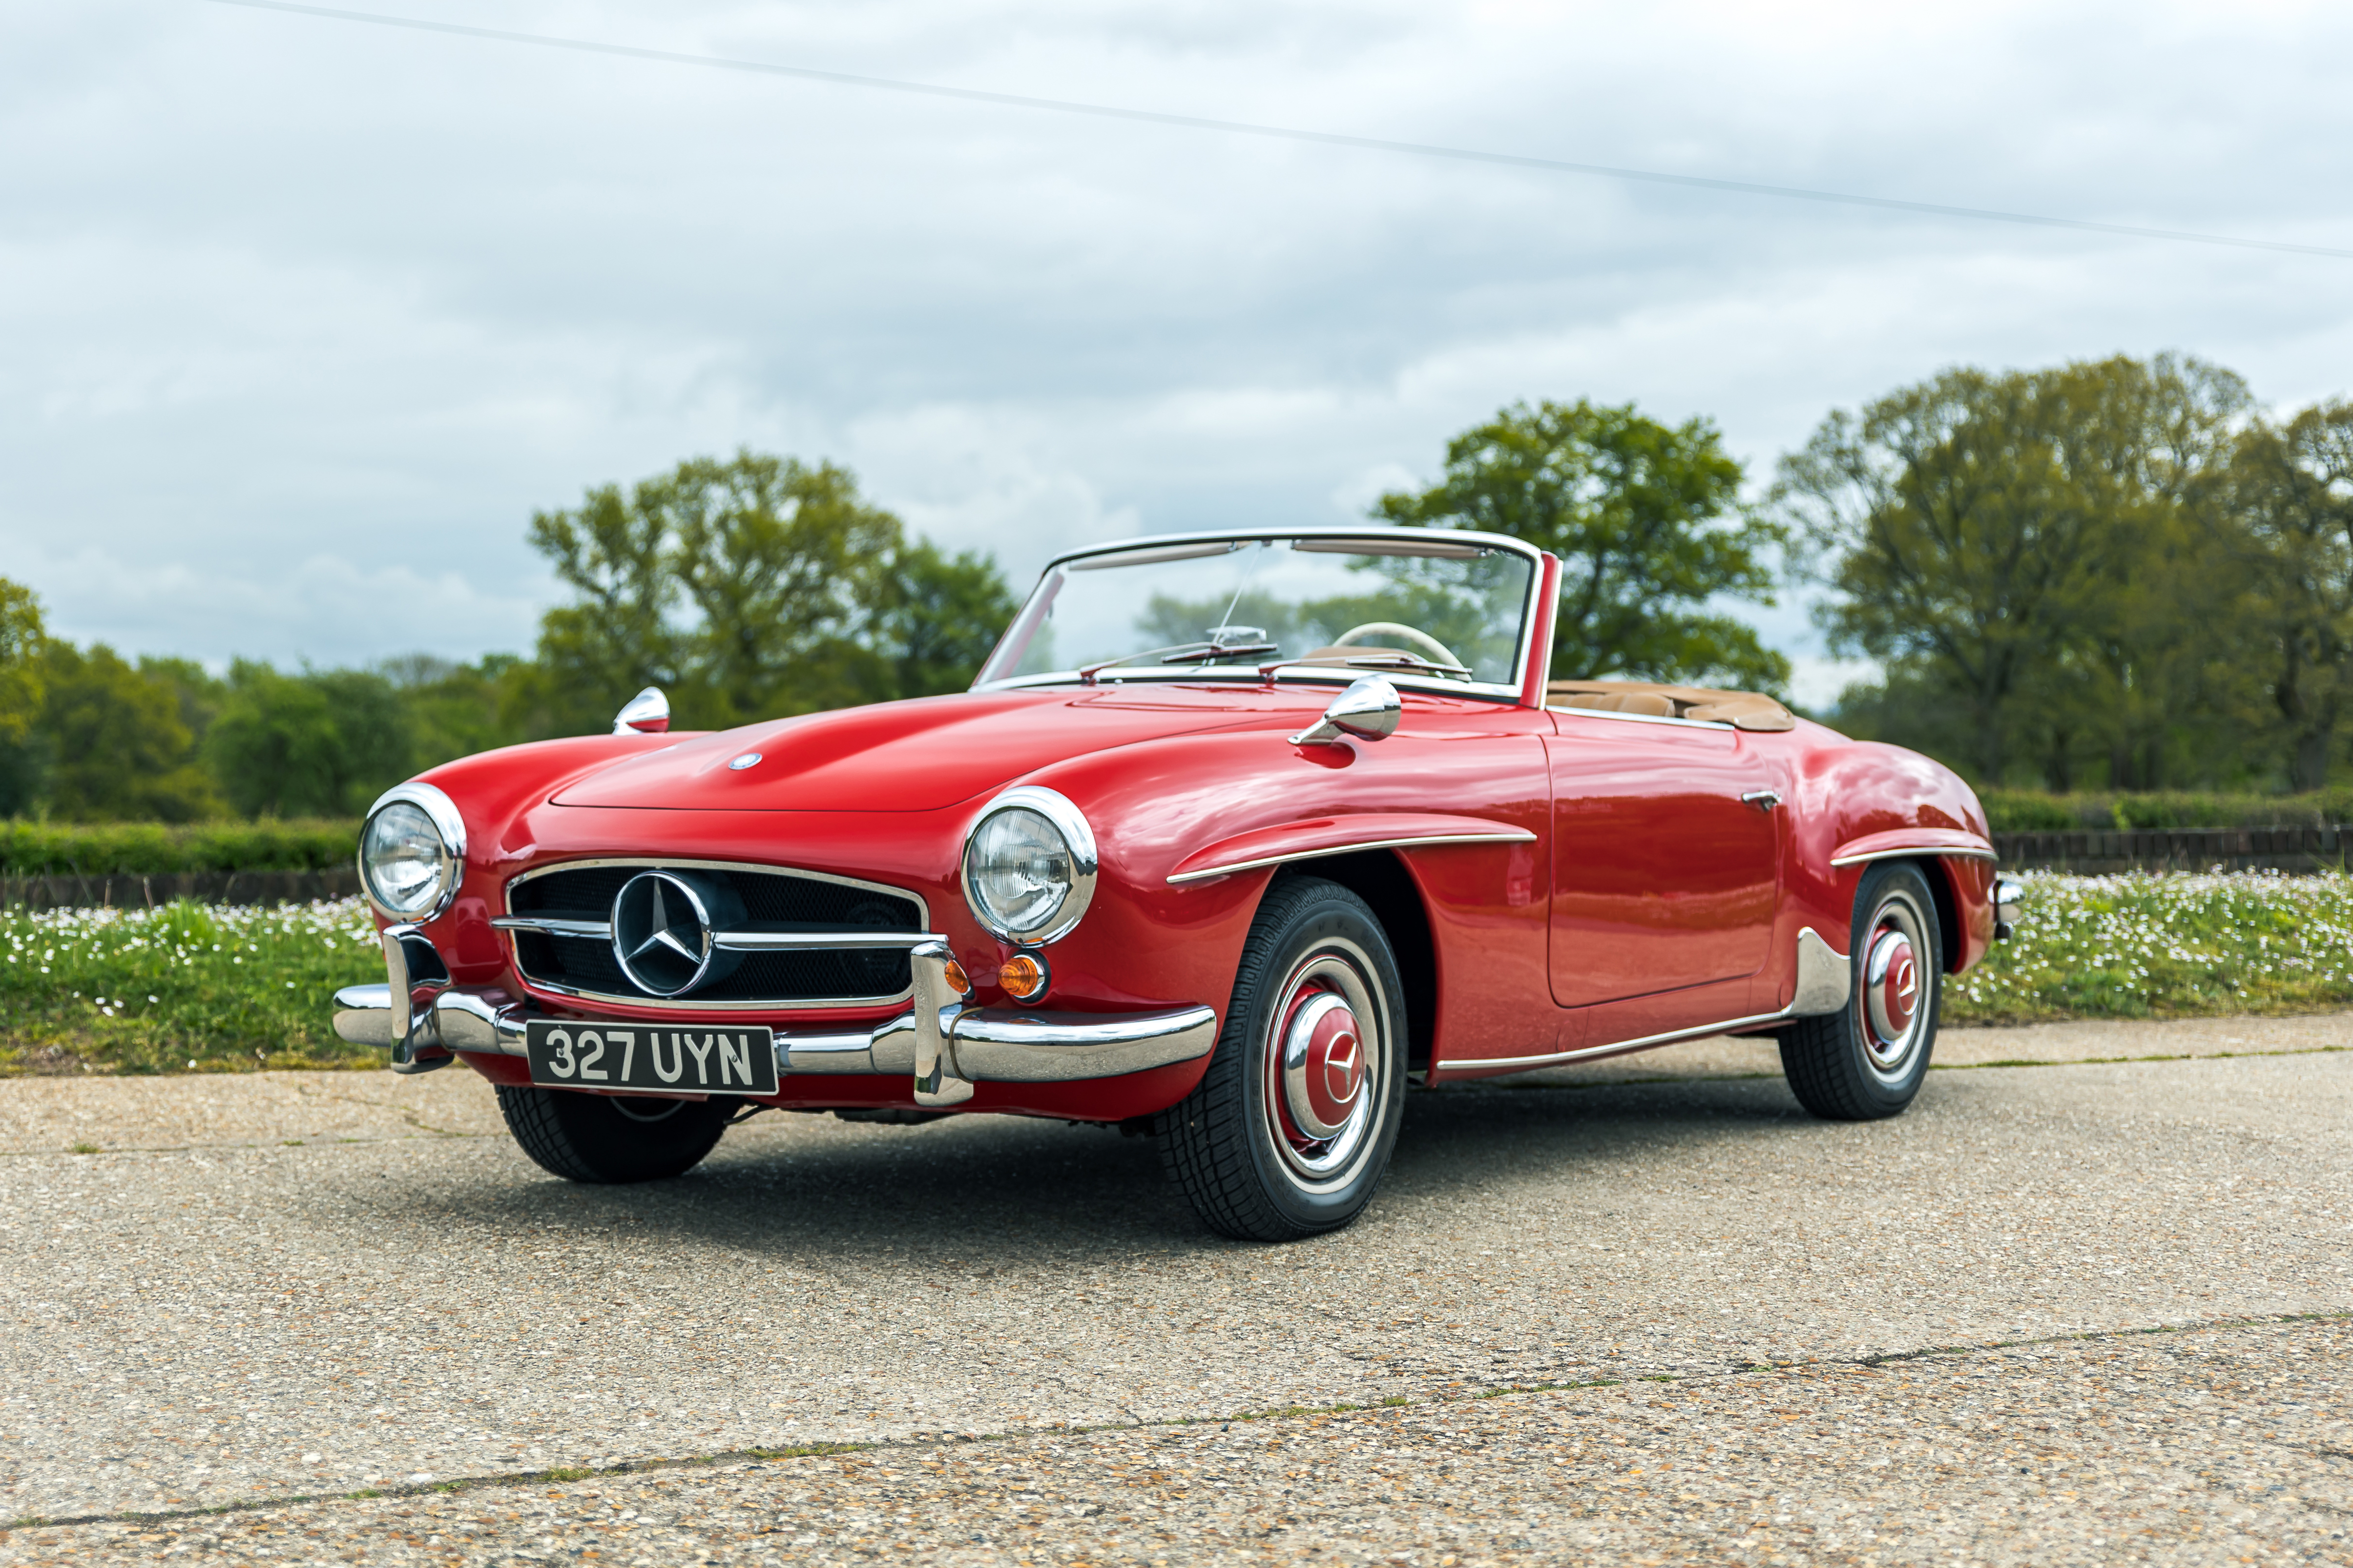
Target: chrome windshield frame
1032, 609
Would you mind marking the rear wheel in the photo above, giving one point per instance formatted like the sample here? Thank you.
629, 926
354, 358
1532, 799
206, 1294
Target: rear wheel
610, 1137
1290, 1131
1868, 1059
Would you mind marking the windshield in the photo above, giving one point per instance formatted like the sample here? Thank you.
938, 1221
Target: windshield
1420, 604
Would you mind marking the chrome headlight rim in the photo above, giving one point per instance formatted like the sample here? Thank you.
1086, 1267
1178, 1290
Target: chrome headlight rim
450, 826
1077, 837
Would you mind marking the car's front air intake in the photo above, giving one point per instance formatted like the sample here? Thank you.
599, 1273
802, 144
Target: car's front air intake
787, 938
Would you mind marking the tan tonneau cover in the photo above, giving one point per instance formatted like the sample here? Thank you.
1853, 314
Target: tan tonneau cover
1741, 709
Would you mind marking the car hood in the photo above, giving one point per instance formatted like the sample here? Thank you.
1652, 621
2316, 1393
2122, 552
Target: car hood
920, 755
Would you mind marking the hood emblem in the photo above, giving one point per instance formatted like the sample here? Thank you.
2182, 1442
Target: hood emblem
748, 760
662, 935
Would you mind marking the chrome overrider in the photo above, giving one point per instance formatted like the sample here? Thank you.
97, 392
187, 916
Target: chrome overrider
943, 1043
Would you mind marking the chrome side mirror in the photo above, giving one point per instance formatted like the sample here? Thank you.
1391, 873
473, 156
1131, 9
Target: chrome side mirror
1367, 709
646, 713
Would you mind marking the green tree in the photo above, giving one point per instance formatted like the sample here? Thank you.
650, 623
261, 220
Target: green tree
453, 710
322, 743
2292, 499
2037, 548
935, 618
23, 754
118, 747
198, 693
22, 640
613, 553
784, 564
1647, 521
747, 588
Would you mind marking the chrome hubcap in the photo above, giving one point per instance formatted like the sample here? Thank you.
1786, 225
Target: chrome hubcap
1893, 1006
1322, 1092
1323, 1065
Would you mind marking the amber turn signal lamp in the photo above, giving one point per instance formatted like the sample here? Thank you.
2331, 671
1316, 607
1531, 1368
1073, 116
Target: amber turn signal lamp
1025, 977
958, 981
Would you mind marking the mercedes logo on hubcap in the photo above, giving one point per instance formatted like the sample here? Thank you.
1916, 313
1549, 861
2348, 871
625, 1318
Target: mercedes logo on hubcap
662, 933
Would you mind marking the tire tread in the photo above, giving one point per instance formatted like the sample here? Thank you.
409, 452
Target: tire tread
1821, 1057
1204, 1139
538, 1119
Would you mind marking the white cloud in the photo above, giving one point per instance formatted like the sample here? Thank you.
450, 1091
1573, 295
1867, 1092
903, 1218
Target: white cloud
305, 318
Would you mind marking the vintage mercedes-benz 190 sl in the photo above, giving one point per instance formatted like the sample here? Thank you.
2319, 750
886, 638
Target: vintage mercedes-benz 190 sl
1234, 838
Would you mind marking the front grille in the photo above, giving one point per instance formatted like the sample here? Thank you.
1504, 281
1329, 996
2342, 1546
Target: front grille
773, 900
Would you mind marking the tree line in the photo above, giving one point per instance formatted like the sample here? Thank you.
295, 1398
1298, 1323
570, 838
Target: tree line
2118, 574
746, 587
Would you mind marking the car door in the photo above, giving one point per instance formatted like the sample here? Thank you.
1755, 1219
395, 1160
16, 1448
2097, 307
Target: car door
1666, 860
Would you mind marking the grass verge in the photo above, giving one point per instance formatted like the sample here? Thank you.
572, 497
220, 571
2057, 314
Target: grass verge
2165, 945
180, 988
208, 988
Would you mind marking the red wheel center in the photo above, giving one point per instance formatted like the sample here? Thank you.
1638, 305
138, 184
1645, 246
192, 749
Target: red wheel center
1335, 1066
1323, 1066
1895, 980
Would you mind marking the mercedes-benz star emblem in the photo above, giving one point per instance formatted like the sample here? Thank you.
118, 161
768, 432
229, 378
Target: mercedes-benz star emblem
662, 933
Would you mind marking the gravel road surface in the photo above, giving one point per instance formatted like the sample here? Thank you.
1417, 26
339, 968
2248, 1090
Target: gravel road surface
1744, 1333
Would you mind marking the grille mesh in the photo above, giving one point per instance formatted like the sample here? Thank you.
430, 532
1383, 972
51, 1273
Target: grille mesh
773, 900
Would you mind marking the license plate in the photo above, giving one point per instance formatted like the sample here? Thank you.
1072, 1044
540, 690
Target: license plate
639, 1060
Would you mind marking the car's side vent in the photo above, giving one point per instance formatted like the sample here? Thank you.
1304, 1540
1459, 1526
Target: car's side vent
774, 902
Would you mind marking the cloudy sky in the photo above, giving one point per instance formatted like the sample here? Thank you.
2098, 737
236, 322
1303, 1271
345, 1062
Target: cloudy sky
304, 317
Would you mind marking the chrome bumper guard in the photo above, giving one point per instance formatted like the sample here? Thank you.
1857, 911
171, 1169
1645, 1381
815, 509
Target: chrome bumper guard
2009, 898
964, 1046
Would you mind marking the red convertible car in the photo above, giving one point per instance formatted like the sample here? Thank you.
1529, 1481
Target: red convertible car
1235, 837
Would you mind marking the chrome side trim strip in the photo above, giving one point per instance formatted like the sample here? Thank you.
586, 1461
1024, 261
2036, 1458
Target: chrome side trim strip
1618, 1048
555, 925
1506, 836
1825, 980
1912, 853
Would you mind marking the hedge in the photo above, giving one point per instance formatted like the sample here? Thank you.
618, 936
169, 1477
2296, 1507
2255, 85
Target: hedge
97, 849
2031, 811
146, 848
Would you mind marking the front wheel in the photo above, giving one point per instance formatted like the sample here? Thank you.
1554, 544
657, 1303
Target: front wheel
1868, 1059
610, 1137
1290, 1130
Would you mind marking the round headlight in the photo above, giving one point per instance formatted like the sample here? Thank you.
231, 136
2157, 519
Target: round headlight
410, 851
1030, 865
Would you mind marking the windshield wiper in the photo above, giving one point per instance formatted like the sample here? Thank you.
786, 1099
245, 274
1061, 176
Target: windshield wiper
1219, 650
1375, 658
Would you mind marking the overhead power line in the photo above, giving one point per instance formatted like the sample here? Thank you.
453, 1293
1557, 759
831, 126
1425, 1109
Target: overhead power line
1277, 132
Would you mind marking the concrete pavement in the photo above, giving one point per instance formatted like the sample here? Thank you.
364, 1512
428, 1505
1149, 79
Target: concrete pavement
291, 1284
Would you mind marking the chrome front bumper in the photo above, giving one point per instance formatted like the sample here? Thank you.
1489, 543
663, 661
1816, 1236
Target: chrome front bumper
966, 1044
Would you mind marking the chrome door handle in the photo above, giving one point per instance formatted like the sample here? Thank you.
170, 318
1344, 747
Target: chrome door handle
1762, 799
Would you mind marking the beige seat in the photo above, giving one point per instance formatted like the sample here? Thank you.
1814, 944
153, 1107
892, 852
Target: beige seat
1741, 709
